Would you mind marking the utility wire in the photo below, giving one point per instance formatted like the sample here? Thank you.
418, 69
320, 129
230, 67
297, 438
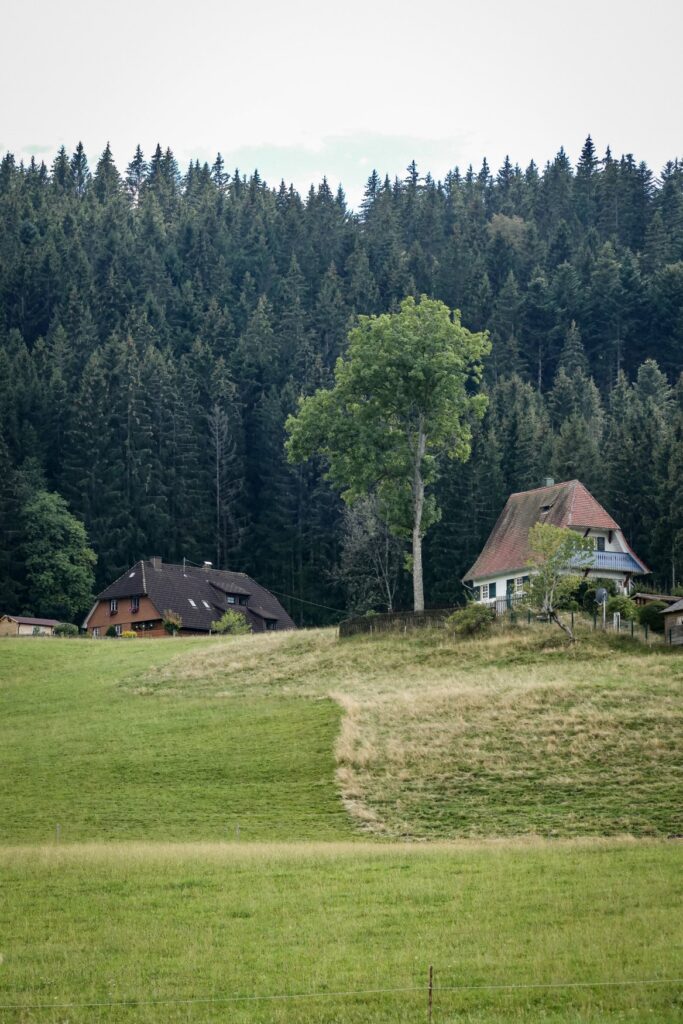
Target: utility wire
290, 597
628, 983
313, 604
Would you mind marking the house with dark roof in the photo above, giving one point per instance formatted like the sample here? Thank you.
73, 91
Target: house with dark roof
504, 565
138, 600
24, 625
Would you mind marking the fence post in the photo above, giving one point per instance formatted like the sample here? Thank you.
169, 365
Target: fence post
671, 638
595, 620
572, 620
631, 627
528, 617
646, 632
431, 991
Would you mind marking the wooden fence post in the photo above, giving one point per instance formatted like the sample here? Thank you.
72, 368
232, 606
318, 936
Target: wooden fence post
431, 991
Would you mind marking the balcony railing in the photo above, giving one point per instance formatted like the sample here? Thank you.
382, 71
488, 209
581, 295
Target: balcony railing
617, 561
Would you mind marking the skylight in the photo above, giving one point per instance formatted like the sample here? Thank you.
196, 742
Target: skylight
130, 575
192, 602
206, 604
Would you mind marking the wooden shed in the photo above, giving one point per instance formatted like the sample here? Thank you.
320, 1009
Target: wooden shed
24, 625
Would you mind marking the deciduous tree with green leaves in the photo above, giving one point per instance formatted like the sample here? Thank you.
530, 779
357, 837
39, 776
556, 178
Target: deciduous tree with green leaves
403, 398
558, 556
231, 622
59, 562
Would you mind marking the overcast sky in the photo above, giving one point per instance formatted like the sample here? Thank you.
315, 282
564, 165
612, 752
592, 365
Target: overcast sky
301, 89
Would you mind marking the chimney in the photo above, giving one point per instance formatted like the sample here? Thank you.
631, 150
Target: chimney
208, 565
156, 562
548, 481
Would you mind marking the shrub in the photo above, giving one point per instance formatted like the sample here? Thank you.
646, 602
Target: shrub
172, 621
66, 629
650, 615
129, 634
624, 605
231, 622
472, 620
111, 631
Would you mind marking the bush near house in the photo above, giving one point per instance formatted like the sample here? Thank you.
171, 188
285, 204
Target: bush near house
627, 608
472, 620
129, 634
111, 631
172, 621
650, 615
231, 622
66, 629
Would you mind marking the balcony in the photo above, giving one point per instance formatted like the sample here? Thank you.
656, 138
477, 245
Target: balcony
616, 561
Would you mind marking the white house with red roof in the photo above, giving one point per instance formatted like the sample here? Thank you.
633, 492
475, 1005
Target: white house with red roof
504, 566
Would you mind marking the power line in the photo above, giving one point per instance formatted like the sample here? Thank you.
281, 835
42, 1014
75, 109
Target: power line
290, 597
313, 604
626, 983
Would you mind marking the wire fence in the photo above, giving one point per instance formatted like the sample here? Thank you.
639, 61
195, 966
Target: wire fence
429, 990
509, 610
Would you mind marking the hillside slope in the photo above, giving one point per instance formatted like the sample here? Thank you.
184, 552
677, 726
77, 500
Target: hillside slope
511, 735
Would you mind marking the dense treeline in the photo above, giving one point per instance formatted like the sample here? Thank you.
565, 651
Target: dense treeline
156, 329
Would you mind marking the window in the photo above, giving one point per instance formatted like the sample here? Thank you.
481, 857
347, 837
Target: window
519, 584
484, 591
243, 600
271, 623
113, 606
135, 604
492, 590
206, 604
599, 543
192, 602
96, 631
231, 598
117, 629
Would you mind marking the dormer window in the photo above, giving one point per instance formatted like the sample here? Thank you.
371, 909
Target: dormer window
113, 606
230, 598
545, 509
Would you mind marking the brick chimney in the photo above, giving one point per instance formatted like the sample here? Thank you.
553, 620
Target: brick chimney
156, 562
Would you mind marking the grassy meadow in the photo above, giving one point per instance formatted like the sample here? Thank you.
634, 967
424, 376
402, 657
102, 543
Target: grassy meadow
188, 825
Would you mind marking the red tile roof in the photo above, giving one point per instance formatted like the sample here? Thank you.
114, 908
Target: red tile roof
565, 504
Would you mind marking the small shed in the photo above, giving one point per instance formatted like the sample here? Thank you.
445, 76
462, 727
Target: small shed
24, 625
642, 597
673, 622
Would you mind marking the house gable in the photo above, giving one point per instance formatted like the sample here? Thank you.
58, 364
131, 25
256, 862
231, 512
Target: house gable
567, 504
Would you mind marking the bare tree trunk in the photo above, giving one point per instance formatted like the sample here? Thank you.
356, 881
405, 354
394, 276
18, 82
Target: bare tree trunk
418, 508
558, 621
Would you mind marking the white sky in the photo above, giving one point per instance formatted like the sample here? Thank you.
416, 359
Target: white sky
301, 89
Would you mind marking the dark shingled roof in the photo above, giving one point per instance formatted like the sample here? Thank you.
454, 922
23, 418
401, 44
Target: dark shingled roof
565, 504
175, 586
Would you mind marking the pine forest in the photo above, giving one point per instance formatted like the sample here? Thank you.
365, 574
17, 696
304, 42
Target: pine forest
158, 327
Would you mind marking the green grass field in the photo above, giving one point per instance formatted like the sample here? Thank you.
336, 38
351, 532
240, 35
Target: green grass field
229, 811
